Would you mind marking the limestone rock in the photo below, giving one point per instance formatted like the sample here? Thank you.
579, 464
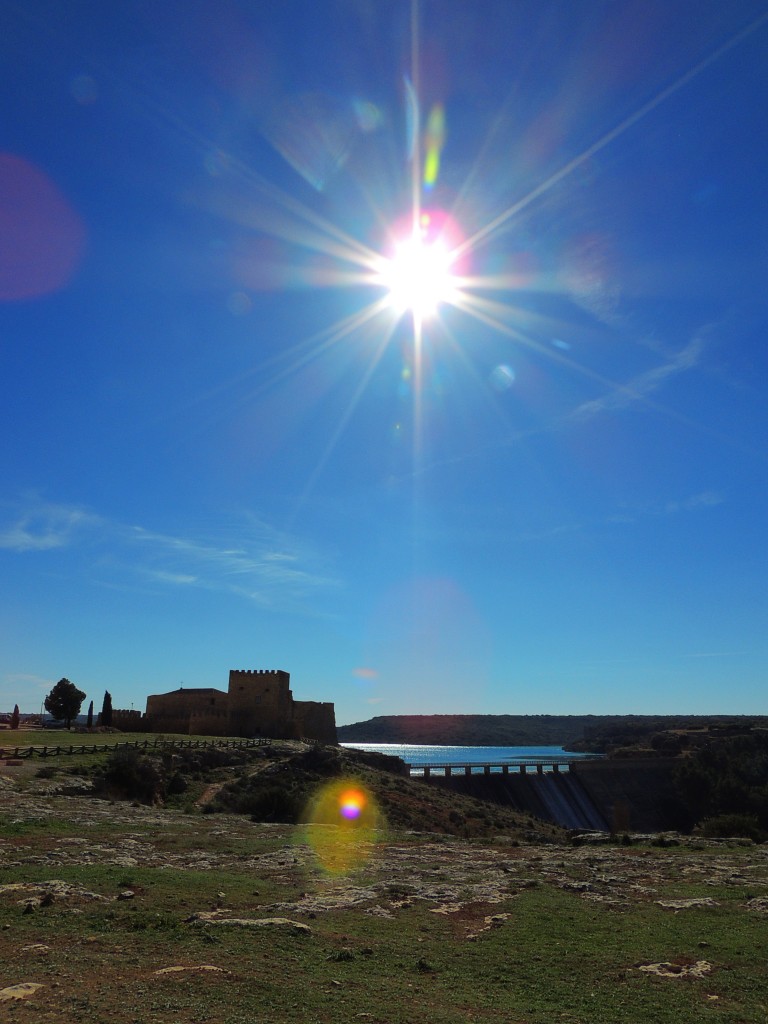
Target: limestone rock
22, 991
252, 922
687, 904
699, 969
201, 968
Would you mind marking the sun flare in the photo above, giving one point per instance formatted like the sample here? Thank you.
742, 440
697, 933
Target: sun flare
419, 277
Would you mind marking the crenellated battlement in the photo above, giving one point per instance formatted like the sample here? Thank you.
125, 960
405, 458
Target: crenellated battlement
257, 672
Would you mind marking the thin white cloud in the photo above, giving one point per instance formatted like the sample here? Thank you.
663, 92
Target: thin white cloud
180, 578
41, 526
256, 571
262, 566
707, 499
644, 385
691, 503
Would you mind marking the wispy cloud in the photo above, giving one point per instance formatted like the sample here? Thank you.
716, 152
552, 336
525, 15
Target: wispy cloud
706, 499
252, 561
41, 526
260, 570
645, 384
691, 503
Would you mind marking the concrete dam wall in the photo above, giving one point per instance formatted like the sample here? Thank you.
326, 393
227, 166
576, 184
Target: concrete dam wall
620, 796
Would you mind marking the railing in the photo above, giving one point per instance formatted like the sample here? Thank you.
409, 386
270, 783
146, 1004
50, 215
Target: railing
518, 765
18, 753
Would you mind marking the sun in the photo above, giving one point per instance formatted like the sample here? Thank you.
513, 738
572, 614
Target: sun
419, 277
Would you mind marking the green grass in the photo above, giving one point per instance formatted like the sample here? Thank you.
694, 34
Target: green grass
557, 957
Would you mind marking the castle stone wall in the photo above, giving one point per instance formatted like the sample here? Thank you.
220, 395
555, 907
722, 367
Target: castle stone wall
127, 721
315, 720
258, 703
199, 711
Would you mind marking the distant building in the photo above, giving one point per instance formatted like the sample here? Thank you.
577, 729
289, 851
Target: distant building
258, 703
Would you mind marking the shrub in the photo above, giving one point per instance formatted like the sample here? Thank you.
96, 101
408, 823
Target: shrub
133, 776
728, 826
273, 803
263, 801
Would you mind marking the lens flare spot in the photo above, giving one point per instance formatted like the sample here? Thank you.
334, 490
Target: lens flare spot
435, 140
342, 823
351, 804
503, 377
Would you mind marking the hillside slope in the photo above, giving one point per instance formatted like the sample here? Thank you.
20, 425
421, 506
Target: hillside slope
517, 730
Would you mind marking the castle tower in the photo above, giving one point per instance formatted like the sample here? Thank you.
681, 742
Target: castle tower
260, 703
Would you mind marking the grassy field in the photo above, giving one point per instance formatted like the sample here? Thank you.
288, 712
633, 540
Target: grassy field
10, 738
126, 914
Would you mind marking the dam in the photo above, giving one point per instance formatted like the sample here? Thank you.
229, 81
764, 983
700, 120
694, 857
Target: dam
597, 794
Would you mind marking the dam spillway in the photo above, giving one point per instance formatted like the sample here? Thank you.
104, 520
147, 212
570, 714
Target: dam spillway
593, 794
555, 796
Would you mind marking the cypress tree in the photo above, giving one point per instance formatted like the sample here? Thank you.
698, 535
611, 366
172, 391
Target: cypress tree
106, 709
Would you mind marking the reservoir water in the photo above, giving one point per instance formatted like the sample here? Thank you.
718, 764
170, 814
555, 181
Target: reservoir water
416, 754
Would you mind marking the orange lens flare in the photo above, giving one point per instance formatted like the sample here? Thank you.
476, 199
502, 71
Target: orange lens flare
342, 821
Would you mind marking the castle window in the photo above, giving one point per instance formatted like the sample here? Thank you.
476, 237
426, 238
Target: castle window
241, 689
213, 700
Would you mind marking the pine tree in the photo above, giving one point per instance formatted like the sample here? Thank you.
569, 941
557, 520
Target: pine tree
15, 717
89, 723
64, 701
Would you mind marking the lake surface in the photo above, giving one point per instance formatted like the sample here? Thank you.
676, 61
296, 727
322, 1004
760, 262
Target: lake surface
417, 754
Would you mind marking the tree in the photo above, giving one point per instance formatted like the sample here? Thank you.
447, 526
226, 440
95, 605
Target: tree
64, 701
89, 723
15, 717
105, 718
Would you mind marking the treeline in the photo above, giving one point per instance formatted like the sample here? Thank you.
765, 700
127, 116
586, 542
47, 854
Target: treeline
579, 732
724, 786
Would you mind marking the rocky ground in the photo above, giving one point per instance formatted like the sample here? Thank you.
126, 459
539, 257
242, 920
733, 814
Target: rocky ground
471, 886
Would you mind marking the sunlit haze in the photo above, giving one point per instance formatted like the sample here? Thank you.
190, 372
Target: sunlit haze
415, 349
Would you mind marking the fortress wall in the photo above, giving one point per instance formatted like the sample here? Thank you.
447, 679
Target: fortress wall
315, 720
167, 723
127, 721
185, 711
185, 702
210, 722
260, 703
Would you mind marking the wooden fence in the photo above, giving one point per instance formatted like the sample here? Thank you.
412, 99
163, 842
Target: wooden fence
17, 753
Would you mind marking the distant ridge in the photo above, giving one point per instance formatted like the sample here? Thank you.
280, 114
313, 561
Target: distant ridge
520, 730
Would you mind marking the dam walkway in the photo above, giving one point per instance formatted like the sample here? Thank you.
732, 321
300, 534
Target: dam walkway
518, 766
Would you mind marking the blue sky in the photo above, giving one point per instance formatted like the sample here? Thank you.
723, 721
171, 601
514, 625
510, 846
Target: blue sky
225, 447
